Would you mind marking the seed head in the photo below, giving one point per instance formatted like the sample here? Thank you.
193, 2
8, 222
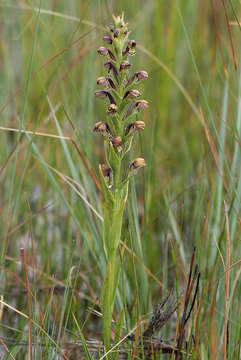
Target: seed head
138, 163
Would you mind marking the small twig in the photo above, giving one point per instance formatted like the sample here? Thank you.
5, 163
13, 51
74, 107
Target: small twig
161, 315
7, 349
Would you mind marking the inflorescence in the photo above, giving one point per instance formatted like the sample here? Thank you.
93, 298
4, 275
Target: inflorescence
121, 98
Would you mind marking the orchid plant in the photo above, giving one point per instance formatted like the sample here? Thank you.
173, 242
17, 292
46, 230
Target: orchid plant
123, 103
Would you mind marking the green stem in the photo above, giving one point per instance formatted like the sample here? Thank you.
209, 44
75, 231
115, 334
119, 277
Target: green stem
113, 218
108, 295
116, 177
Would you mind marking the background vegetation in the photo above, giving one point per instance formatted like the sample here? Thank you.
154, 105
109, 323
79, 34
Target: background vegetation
188, 196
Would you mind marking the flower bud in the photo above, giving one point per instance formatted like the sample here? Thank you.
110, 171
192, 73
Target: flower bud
105, 82
116, 33
110, 67
142, 104
111, 55
130, 81
138, 105
112, 110
126, 51
125, 65
111, 83
107, 39
112, 101
111, 27
101, 94
130, 51
142, 75
139, 125
105, 170
136, 126
133, 94
132, 44
117, 142
107, 173
138, 163
102, 81
101, 127
118, 20
103, 51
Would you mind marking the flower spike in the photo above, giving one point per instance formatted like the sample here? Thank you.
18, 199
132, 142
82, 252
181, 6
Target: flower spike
122, 101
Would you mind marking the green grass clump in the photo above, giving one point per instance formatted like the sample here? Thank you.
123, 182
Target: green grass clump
186, 198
